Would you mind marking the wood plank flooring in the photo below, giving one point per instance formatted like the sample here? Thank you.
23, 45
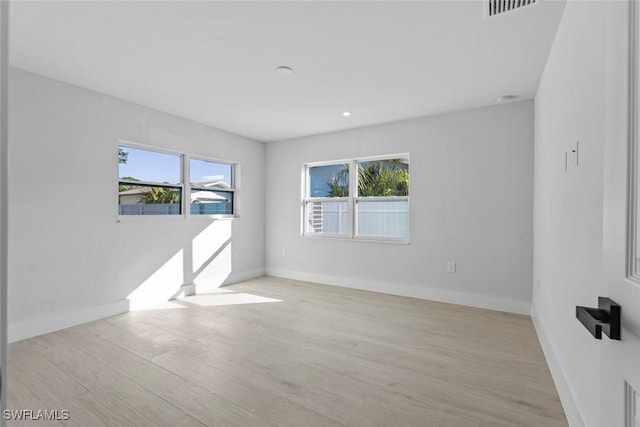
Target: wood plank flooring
276, 352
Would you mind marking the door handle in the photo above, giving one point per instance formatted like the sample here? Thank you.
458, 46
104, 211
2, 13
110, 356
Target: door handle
605, 318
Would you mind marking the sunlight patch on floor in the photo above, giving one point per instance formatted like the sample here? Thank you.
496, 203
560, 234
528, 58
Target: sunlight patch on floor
165, 305
220, 298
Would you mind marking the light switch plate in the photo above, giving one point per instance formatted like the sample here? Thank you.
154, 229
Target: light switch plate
451, 267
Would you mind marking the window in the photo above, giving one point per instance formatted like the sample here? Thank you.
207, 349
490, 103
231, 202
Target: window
151, 183
328, 199
382, 205
211, 188
360, 198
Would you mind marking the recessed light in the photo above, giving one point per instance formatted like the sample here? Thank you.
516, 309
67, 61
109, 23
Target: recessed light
506, 98
284, 71
346, 114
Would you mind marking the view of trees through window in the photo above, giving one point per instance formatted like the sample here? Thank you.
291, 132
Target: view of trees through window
376, 204
381, 178
150, 183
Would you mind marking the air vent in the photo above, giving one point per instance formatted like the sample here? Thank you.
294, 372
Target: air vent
498, 7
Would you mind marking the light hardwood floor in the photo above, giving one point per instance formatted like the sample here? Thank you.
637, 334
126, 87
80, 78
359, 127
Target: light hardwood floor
275, 352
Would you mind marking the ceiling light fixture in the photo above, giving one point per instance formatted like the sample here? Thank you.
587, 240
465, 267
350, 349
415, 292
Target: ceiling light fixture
346, 114
506, 98
284, 71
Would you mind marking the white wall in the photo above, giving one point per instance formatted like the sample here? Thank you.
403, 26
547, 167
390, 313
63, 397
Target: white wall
471, 202
71, 261
568, 207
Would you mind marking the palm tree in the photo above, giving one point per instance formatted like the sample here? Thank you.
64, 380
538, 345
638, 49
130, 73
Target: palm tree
157, 195
381, 178
339, 183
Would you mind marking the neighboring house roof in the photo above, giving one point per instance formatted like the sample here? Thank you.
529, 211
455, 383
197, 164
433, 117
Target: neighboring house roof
207, 197
213, 184
202, 196
140, 190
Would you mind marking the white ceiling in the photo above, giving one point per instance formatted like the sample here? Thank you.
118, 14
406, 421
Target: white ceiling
213, 62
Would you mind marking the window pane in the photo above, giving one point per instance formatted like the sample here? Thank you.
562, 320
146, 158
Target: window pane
148, 200
209, 202
326, 217
329, 181
149, 166
383, 219
203, 173
383, 178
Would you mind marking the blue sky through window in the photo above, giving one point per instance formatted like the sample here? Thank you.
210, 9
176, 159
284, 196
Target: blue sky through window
152, 166
319, 176
201, 171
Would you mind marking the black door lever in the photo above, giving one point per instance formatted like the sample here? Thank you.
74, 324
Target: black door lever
605, 318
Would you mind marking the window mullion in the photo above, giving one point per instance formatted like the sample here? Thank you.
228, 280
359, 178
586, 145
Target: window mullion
353, 193
186, 186
148, 183
305, 200
235, 181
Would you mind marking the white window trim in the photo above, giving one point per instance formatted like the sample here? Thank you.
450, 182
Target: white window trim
184, 185
233, 189
352, 200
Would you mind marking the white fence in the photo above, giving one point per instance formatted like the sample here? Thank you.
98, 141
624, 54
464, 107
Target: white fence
222, 208
382, 219
374, 218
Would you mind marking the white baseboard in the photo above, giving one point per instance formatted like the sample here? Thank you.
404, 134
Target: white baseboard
43, 325
232, 278
562, 386
424, 292
186, 290
243, 275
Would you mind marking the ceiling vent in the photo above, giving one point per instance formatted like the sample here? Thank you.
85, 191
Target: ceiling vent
498, 7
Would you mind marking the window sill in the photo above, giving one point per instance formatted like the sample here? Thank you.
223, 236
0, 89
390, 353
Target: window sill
389, 240
171, 218
149, 218
210, 217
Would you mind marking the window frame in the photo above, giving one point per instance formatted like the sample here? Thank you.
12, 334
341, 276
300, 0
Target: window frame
232, 190
352, 201
307, 199
184, 185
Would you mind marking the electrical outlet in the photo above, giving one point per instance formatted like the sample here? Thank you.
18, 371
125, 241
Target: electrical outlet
284, 251
451, 267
